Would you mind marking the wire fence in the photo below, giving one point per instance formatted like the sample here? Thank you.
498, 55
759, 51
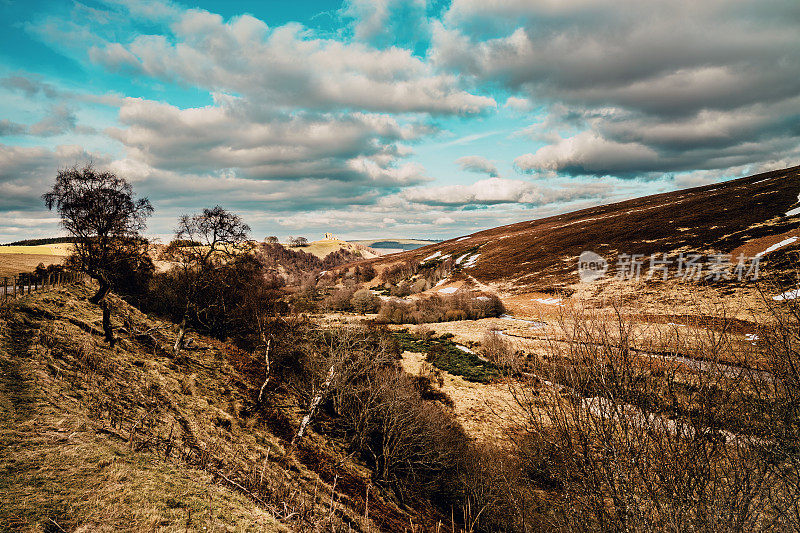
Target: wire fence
26, 283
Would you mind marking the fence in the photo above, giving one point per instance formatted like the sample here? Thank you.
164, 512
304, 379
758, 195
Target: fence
25, 283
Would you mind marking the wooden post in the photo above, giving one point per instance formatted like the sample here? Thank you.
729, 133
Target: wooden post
15, 287
5, 288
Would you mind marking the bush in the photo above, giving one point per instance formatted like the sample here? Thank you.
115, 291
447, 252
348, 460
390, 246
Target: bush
340, 299
441, 308
452, 315
363, 301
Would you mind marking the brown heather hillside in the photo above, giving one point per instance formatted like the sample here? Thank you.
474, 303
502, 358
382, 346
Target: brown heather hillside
746, 215
132, 438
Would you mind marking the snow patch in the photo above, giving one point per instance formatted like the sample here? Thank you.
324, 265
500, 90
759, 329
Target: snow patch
448, 290
441, 282
483, 298
549, 301
431, 257
462, 239
788, 295
774, 247
792, 212
464, 348
534, 324
471, 261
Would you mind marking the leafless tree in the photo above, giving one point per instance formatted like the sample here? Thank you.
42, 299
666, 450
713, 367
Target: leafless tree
217, 238
100, 211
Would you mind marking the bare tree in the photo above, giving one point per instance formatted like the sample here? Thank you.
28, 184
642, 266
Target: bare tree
217, 237
100, 211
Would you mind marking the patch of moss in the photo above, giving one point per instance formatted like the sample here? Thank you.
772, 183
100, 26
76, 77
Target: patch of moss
443, 353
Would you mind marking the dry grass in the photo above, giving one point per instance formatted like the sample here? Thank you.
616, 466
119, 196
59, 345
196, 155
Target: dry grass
324, 247
486, 411
12, 264
132, 439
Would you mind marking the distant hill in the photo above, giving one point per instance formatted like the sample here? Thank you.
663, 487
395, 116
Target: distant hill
749, 215
323, 247
39, 242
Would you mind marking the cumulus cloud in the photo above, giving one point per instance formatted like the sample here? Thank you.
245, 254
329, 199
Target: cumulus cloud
476, 163
518, 104
387, 22
234, 134
656, 81
288, 66
494, 191
589, 153
26, 172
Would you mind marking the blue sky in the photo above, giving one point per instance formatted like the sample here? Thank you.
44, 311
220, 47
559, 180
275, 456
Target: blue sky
417, 118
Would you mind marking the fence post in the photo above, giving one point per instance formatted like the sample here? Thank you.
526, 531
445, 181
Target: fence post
5, 288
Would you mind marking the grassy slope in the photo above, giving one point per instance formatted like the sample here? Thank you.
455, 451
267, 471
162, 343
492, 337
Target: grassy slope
13, 264
324, 247
16, 259
542, 254
130, 438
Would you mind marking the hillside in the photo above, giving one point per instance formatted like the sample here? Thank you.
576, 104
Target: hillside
132, 438
323, 247
747, 215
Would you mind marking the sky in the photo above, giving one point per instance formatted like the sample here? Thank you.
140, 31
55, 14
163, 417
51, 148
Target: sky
391, 118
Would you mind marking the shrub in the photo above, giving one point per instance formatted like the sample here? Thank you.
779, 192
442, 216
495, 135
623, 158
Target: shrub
441, 308
340, 299
363, 301
455, 314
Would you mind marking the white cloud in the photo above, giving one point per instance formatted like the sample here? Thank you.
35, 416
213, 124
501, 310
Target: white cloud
681, 76
589, 153
258, 144
476, 163
287, 66
519, 104
494, 191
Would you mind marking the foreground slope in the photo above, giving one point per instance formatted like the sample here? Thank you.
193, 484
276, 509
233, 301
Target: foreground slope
746, 215
132, 438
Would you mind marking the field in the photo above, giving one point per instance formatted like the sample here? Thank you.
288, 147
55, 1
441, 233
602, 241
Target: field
17, 259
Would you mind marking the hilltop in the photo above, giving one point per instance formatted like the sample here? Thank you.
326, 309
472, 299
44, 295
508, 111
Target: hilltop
323, 247
748, 215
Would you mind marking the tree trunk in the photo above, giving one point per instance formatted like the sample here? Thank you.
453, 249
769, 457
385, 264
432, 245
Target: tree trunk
181, 335
312, 409
107, 327
266, 379
102, 292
